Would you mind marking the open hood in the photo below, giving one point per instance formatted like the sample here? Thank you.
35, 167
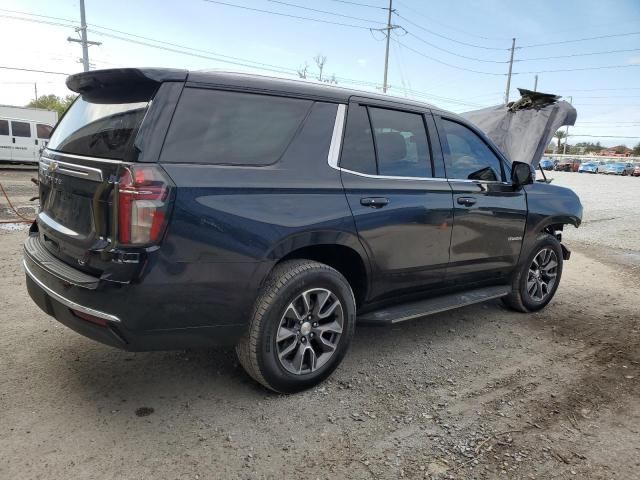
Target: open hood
523, 129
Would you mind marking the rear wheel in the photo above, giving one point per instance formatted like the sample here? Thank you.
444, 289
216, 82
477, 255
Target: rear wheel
538, 277
301, 329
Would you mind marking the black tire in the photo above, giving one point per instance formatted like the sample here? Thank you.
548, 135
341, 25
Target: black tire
520, 299
258, 350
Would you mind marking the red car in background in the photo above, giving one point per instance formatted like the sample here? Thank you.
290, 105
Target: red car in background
568, 165
636, 171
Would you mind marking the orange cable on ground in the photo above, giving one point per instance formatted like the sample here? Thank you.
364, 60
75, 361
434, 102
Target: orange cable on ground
23, 219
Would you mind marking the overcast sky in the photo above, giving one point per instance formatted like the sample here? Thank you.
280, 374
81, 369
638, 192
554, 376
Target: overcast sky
448, 54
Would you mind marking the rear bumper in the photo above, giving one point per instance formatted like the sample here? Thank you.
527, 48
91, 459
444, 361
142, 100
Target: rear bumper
122, 316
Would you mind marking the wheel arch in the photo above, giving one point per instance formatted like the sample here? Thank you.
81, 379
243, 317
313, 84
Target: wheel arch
340, 250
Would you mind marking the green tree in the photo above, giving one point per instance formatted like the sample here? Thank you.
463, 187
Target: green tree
52, 102
636, 150
560, 135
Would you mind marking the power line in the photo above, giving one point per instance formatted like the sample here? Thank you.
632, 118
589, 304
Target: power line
453, 53
577, 55
605, 125
271, 12
447, 38
247, 63
608, 96
599, 136
611, 123
35, 20
561, 42
32, 70
294, 5
608, 104
604, 67
41, 16
359, 4
267, 67
445, 63
603, 89
449, 26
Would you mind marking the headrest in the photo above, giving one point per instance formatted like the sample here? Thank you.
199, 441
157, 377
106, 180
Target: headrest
391, 146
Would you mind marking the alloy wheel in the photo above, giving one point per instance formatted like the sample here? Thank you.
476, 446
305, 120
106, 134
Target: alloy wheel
309, 331
542, 275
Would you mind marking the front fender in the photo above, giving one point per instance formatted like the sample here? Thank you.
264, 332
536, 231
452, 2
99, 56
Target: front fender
549, 205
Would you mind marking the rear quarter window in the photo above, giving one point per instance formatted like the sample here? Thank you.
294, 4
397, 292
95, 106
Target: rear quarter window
4, 127
232, 128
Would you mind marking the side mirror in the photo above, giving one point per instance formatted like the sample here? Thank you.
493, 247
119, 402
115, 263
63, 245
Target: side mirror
521, 174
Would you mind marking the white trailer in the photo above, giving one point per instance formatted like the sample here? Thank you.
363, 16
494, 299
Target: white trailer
24, 132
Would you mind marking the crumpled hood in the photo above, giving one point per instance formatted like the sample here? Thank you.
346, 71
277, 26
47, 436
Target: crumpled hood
523, 129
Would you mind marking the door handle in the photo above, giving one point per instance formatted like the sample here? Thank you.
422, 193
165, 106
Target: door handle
466, 201
374, 202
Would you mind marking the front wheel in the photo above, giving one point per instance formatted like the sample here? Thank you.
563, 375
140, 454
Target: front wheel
538, 277
301, 328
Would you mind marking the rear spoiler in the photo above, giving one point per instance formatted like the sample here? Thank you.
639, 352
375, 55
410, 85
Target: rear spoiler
122, 84
523, 129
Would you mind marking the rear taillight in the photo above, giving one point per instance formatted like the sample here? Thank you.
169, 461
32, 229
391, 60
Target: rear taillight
143, 204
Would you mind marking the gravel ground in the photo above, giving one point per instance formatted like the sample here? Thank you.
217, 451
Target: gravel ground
480, 392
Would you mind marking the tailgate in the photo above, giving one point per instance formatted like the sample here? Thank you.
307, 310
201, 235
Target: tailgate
116, 122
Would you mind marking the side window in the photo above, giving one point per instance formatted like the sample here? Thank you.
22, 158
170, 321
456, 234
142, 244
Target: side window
20, 129
358, 153
43, 131
401, 143
4, 127
232, 128
467, 156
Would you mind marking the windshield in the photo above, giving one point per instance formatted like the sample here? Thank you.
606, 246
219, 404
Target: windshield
98, 129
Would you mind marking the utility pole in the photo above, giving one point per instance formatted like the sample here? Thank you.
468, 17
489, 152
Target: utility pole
35, 86
566, 133
506, 93
535, 84
386, 53
83, 38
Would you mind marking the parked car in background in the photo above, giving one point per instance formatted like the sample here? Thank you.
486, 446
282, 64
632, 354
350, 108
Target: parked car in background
546, 164
568, 165
588, 167
619, 169
602, 167
636, 171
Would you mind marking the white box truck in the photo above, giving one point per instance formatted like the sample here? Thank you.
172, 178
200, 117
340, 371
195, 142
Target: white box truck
24, 132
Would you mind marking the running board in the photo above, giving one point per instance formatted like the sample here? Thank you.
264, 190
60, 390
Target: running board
422, 308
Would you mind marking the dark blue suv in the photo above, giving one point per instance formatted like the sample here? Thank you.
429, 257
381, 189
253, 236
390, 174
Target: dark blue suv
190, 209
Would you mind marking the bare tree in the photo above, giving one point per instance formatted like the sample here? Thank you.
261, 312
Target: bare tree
320, 60
303, 71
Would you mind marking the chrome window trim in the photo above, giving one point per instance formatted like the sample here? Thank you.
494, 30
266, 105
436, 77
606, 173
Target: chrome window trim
336, 136
56, 226
71, 169
391, 177
48, 151
65, 301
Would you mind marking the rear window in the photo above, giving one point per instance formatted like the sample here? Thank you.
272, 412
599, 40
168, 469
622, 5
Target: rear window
104, 130
231, 128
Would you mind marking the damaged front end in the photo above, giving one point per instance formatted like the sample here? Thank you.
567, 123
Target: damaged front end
523, 129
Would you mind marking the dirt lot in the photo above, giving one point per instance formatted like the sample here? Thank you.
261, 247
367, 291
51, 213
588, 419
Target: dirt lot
480, 392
